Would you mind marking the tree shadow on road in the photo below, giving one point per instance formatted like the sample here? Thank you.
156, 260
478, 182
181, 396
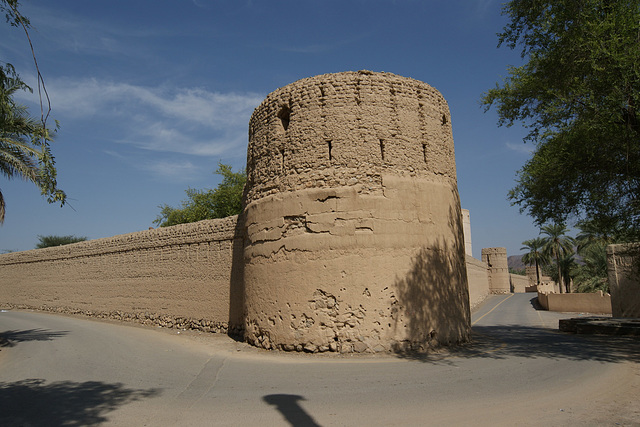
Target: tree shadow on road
500, 342
63, 403
10, 338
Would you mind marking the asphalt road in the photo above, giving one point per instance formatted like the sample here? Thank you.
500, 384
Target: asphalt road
519, 370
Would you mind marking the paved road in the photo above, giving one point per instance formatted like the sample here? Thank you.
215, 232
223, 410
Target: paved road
57, 370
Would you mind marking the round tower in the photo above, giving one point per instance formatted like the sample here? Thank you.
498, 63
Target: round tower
498, 264
354, 238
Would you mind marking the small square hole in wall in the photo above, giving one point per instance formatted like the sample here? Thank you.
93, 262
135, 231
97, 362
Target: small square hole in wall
283, 115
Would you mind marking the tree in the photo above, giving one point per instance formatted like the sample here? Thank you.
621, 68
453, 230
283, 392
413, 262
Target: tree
592, 275
24, 141
225, 200
578, 93
49, 241
536, 256
558, 246
565, 268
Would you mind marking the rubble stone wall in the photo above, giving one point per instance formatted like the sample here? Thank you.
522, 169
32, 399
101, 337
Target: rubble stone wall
180, 276
354, 227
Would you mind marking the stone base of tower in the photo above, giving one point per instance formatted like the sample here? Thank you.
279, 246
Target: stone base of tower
338, 270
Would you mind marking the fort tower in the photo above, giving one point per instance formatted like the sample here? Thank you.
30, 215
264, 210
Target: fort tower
354, 238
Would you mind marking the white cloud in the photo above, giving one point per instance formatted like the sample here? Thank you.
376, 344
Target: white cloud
520, 147
75, 33
190, 121
174, 171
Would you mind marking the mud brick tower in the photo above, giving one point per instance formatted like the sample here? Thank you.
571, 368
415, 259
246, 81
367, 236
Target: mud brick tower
354, 237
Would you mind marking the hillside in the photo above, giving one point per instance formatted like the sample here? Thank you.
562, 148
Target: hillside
515, 262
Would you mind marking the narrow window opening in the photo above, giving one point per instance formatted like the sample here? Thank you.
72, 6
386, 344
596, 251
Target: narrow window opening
329, 145
382, 149
284, 115
424, 152
444, 119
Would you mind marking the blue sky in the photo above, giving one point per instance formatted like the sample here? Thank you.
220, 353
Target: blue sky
151, 95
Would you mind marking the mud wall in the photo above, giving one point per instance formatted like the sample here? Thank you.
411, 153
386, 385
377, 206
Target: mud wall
597, 302
496, 260
519, 284
181, 276
478, 277
354, 227
623, 263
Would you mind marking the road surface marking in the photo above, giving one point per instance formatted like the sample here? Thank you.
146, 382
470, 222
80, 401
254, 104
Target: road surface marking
496, 306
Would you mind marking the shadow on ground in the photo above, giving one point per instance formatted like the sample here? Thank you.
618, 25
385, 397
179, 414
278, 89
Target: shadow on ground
10, 338
288, 406
64, 403
500, 342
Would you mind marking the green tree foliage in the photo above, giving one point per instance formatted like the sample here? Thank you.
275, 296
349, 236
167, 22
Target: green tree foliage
49, 241
223, 201
564, 267
535, 255
24, 141
591, 275
578, 93
559, 247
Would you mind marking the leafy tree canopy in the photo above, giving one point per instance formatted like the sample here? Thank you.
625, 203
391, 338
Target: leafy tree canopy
578, 93
223, 201
49, 241
24, 141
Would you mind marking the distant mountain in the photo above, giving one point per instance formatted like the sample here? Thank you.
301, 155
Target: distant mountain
515, 262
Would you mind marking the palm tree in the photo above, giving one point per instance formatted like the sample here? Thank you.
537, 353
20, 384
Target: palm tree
593, 274
558, 245
536, 255
590, 234
24, 142
568, 267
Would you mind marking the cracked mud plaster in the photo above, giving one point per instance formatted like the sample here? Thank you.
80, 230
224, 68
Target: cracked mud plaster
350, 177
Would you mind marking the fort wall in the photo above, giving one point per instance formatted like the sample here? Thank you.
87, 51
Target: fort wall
180, 276
478, 277
519, 283
496, 260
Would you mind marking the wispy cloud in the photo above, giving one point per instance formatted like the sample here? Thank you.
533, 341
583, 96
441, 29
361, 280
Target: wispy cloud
520, 148
60, 31
176, 171
190, 121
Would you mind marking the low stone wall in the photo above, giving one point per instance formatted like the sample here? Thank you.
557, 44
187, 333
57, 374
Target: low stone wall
597, 303
623, 262
185, 276
478, 278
